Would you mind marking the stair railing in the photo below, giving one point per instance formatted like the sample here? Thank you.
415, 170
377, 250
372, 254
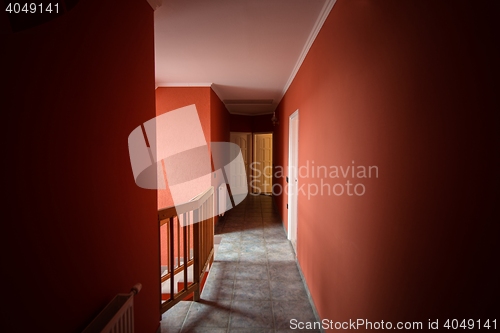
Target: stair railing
186, 239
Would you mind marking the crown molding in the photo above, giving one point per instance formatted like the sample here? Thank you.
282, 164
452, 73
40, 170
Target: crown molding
251, 114
155, 3
325, 11
183, 85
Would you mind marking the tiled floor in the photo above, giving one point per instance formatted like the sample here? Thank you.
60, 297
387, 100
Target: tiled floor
254, 284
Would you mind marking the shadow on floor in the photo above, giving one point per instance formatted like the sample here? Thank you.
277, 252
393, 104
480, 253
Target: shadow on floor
254, 284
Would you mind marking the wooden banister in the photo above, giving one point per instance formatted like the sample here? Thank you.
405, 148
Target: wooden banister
189, 226
186, 207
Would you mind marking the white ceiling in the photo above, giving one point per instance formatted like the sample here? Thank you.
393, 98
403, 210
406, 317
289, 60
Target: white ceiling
247, 50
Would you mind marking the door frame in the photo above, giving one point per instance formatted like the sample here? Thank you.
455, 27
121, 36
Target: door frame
293, 177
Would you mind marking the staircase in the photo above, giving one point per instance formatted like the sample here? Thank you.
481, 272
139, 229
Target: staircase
186, 248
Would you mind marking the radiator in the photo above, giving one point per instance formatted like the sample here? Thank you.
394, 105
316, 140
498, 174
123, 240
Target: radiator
222, 194
117, 316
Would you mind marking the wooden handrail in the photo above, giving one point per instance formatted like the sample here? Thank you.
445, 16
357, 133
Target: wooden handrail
189, 206
196, 233
136, 288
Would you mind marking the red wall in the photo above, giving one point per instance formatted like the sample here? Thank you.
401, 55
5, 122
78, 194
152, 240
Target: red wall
214, 118
408, 86
76, 228
219, 119
171, 98
240, 123
262, 123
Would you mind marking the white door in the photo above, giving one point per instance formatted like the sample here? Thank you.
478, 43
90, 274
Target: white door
293, 177
263, 163
238, 179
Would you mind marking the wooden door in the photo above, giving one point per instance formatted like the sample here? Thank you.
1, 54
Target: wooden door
263, 163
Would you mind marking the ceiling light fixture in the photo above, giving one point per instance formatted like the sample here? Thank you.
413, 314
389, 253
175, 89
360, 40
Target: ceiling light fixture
274, 119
